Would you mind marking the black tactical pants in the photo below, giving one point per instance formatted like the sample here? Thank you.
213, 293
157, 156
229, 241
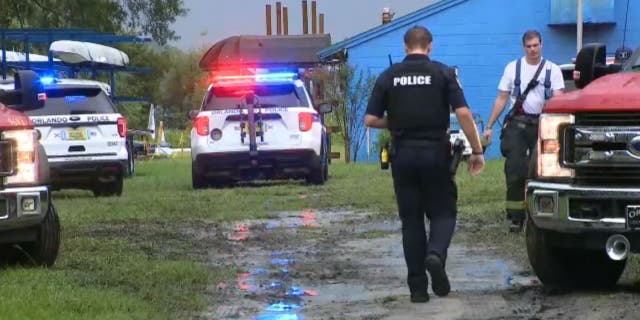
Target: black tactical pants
517, 144
424, 187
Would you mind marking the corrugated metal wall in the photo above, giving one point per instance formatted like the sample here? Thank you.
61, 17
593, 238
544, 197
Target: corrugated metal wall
482, 36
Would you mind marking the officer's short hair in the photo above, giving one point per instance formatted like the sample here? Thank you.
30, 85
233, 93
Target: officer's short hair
418, 37
531, 34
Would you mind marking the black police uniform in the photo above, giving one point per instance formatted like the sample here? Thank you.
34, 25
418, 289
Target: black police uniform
417, 95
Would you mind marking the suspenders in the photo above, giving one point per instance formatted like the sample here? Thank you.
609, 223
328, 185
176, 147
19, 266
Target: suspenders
547, 80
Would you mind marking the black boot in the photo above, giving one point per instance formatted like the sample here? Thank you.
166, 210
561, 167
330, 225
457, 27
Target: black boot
418, 288
516, 225
439, 280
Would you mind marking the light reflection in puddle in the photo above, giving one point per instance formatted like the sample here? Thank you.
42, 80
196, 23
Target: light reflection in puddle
275, 282
306, 219
279, 316
239, 233
282, 310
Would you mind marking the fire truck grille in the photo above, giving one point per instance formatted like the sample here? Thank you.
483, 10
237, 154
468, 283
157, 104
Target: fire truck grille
604, 149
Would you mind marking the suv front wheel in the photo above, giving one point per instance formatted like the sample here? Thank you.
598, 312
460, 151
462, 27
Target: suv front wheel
109, 189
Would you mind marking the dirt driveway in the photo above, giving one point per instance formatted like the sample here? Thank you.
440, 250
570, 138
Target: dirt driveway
342, 265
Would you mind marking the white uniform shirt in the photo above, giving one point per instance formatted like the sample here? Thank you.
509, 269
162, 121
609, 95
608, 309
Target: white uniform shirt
535, 98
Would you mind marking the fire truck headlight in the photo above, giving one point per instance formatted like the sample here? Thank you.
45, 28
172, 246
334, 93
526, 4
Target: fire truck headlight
25, 165
549, 145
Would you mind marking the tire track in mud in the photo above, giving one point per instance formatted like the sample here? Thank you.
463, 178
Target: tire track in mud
343, 265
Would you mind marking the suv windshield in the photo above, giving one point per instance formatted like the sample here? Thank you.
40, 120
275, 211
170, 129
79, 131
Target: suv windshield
67, 101
273, 95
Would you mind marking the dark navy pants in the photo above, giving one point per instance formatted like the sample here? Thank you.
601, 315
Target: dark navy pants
424, 187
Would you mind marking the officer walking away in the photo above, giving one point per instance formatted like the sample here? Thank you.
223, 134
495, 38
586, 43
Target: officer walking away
530, 81
417, 96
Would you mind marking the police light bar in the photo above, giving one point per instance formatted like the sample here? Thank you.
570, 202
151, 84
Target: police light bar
256, 78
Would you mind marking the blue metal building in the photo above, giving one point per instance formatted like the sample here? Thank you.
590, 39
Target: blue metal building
481, 36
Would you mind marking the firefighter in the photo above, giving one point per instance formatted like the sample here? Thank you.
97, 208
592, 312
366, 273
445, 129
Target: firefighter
417, 96
529, 81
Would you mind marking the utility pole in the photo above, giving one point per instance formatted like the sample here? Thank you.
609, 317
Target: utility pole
579, 23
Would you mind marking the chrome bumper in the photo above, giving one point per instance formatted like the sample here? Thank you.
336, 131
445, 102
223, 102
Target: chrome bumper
558, 215
23, 207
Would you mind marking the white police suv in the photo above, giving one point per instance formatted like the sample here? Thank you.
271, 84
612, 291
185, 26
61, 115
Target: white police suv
84, 136
258, 126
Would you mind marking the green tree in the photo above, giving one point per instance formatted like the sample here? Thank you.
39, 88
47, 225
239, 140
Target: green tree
182, 87
130, 17
136, 17
348, 89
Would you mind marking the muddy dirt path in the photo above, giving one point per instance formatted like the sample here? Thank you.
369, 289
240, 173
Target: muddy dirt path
342, 265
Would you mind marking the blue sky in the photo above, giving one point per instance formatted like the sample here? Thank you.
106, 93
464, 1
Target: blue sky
209, 21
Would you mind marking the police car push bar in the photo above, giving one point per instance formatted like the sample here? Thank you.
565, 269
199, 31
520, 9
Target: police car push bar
250, 100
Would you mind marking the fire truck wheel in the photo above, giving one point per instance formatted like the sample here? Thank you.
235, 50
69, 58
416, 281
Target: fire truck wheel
545, 259
569, 267
593, 269
44, 251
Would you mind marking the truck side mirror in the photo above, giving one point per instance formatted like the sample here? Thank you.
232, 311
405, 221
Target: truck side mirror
28, 93
591, 64
590, 56
192, 114
325, 107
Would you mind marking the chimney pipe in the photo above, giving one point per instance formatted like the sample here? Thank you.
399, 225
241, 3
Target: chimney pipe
387, 15
279, 17
268, 19
285, 20
314, 24
305, 18
322, 23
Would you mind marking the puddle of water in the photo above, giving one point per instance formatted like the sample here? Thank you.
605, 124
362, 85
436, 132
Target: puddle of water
383, 226
497, 271
468, 269
284, 306
270, 279
279, 316
306, 219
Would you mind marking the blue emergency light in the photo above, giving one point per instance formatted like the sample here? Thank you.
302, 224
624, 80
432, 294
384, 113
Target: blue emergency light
275, 77
47, 80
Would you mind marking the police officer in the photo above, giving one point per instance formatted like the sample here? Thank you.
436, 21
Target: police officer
417, 96
530, 81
